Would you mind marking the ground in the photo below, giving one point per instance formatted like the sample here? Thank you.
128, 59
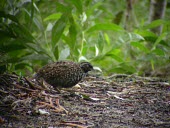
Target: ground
117, 101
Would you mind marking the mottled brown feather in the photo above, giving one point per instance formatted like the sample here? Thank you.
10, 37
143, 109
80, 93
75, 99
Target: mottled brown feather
64, 73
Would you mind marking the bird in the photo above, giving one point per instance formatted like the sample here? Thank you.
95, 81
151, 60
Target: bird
63, 74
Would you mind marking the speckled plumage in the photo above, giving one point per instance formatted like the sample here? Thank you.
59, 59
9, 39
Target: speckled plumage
64, 73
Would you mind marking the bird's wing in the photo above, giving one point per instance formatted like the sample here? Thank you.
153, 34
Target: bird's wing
63, 67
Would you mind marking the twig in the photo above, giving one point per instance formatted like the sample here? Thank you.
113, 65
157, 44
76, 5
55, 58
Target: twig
74, 125
4, 91
100, 82
18, 86
118, 76
32, 85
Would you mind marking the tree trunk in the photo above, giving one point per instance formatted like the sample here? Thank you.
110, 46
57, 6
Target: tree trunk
157, 11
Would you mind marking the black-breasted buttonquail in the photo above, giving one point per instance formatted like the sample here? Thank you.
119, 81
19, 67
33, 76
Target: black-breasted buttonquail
64, 73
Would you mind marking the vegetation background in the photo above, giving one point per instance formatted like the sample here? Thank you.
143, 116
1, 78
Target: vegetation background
125, 36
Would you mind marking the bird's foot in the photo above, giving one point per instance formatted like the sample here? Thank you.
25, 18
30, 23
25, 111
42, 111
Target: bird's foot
53, 104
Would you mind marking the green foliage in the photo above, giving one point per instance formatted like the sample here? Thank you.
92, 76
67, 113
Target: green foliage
38, 32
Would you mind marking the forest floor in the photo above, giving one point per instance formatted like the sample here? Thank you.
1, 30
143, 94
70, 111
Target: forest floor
117, 101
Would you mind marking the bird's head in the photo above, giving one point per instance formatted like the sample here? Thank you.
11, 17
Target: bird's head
86, 66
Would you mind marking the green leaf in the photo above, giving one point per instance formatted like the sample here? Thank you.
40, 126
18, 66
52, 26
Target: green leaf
82, 58
115, 54
33, 56
38, 24
12, 45
93, 7
118, 17
22, 66
58, 29
64, 54
124, 67
159, 39
100, 41
140, 45
146, 33
23, 33
77, 4
128, 68
9, 16
134, 36
115, 57
97, 51
63, 8
159, 52
54, 16
108, 26
85, 49
152, 64
56, 53
107, 38
117, 70
154, 24
35, 47
72, 33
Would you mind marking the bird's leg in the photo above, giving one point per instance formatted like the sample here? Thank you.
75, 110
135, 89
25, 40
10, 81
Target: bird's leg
45, 84
58, 90
48, 87
57, 108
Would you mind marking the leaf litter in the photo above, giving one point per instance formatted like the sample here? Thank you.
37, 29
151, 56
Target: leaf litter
119, 100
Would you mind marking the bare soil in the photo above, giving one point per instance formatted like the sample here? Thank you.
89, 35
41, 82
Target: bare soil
117, 101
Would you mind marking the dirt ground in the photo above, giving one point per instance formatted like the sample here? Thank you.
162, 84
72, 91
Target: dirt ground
117, 101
